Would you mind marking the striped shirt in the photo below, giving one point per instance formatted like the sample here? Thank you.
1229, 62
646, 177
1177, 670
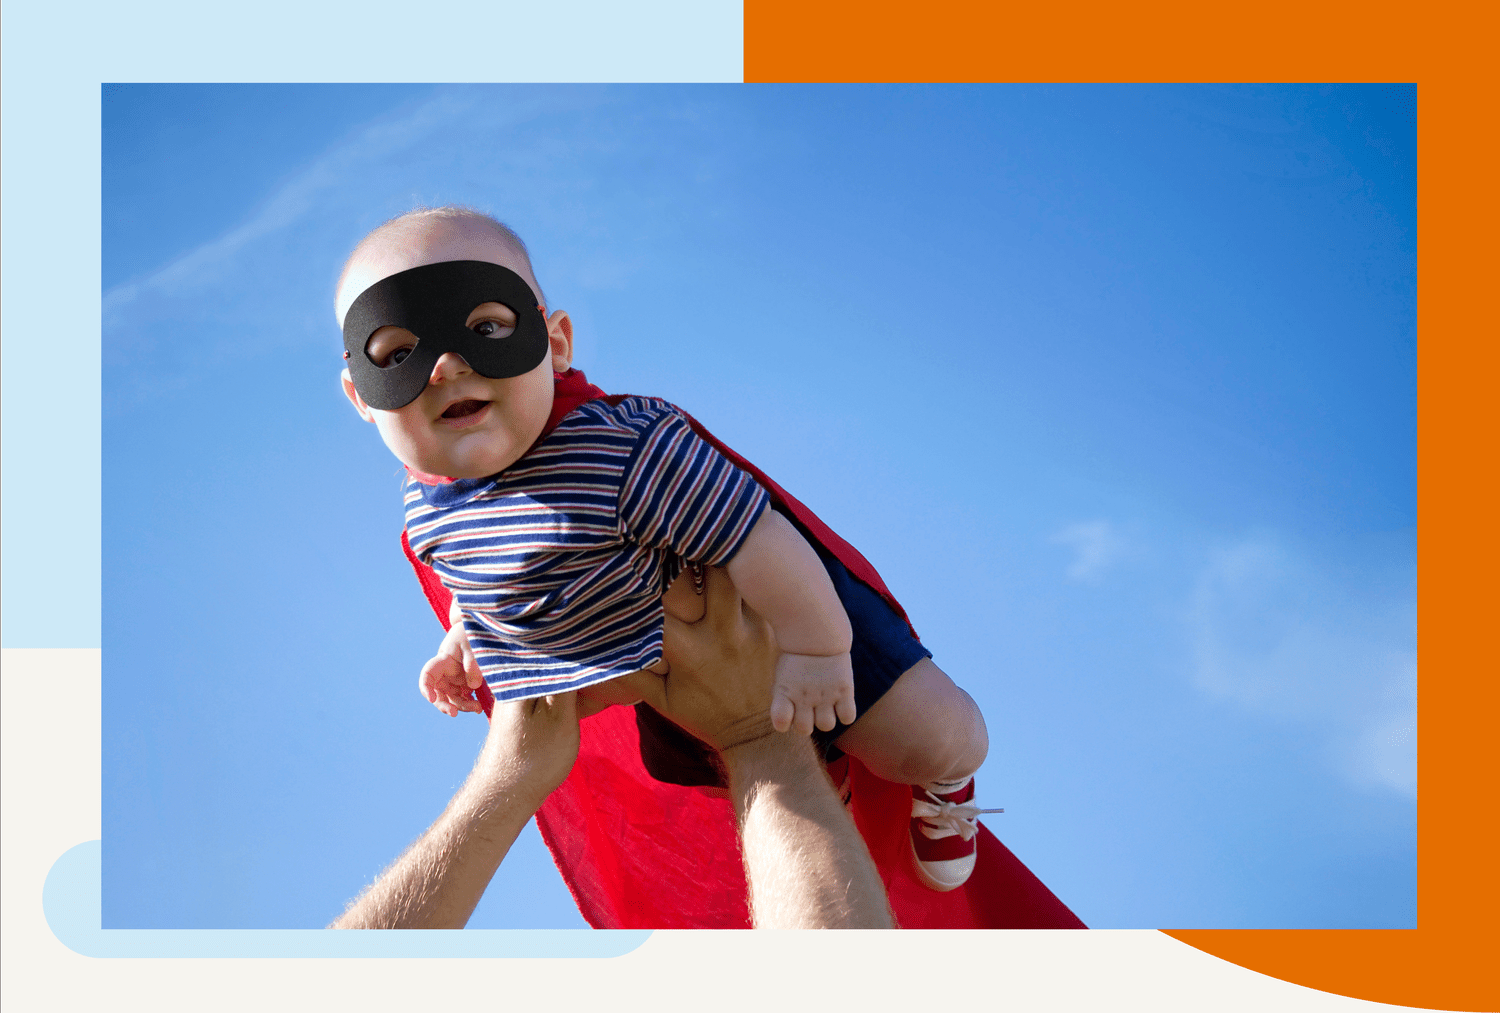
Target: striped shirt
559, 562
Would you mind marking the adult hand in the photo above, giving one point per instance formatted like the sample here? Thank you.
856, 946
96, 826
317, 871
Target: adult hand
436, 884
805, 863
722, 669
531, 747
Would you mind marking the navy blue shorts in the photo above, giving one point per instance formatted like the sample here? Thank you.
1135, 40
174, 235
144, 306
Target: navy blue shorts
883, 645
883, 648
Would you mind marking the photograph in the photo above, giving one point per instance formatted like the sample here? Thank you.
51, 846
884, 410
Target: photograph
1056, 445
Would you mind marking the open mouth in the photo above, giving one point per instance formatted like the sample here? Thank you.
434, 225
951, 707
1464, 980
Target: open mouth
460, 409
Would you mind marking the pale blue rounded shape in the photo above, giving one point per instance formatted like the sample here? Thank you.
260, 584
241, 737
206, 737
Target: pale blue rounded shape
70, 901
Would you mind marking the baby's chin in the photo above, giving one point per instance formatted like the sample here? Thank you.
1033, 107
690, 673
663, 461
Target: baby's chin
478, 459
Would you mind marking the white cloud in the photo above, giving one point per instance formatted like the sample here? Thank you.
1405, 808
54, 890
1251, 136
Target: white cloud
1096, 546
1276, 636
1386, 753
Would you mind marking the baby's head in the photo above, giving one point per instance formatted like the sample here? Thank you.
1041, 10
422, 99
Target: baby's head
463, 424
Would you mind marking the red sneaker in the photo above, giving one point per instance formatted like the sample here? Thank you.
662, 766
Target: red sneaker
942, 835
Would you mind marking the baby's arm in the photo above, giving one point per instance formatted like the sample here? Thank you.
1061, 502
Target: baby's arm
780, 576
448, 680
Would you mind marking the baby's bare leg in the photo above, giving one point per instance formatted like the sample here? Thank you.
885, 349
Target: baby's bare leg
923, 729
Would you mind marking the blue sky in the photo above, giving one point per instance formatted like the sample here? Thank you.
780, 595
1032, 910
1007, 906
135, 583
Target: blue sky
1116, 387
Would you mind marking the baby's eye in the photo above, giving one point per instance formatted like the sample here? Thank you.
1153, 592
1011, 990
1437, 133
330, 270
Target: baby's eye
492, 329
385, 360
492, 320
389, 346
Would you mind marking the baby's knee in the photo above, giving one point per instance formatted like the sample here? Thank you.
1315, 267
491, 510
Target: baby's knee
949, 760
968, 745
948, 741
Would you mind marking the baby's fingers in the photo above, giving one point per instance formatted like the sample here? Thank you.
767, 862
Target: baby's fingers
782, 712
846, 709
803, 719
429, 680
823, 717
471, 672
462, 701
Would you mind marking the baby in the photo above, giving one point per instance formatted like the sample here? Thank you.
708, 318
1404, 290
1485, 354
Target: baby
563, 540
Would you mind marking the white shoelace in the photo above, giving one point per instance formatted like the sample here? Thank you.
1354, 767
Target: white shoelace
946, 819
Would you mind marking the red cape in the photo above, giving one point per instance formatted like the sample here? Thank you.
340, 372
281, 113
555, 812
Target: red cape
641, 854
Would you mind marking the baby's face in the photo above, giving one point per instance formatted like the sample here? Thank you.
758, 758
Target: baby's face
463, 424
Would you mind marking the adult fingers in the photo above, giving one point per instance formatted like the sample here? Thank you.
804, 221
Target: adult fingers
590, 706
562, 706
722, 598
686, 646
646, 685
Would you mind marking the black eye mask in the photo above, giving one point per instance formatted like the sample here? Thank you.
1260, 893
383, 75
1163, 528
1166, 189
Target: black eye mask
434, 303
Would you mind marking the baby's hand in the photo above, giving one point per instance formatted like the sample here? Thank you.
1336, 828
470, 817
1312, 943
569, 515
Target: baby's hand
812, 690
449, 680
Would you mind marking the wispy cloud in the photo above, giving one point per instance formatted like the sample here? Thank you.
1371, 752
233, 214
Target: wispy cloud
1273, 634
370, 145
1096, 547
258, 296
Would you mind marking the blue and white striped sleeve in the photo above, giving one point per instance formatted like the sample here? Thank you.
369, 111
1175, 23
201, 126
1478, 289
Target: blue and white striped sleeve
682, 494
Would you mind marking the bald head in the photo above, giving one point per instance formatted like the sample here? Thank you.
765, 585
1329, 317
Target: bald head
431, 236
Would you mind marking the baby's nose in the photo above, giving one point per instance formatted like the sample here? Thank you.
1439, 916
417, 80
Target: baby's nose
449, 365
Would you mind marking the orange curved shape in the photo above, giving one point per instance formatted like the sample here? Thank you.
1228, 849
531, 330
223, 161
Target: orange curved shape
1448, 962
1446, 968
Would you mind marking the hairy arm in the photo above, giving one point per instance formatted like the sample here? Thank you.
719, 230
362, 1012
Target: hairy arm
438, 881
805, 861
807, 865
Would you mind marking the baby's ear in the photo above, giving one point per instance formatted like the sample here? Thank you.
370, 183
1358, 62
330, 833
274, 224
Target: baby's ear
560, 339
354, 398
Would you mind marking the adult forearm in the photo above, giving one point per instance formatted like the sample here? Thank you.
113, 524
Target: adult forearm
806, 863
530, 748
440, 878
